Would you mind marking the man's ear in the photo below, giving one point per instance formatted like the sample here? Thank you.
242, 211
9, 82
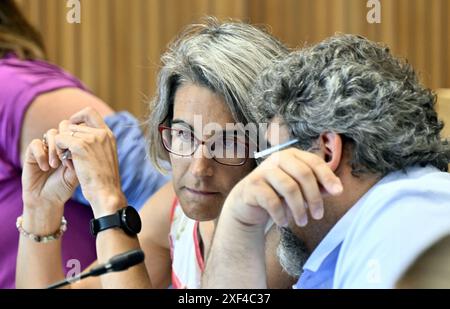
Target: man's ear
331, 149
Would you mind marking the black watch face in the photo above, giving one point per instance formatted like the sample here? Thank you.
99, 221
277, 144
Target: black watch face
132, 220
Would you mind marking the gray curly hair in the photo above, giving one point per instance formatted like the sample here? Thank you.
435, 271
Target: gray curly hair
224, 57
354, 87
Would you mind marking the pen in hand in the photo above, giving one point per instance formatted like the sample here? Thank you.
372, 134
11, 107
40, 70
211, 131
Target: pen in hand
269, 151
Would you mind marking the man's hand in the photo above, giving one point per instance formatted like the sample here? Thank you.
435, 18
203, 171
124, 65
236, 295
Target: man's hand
287, 184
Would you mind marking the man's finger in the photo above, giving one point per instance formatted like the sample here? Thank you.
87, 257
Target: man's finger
286, 187
308, 185
271, 202
322, 171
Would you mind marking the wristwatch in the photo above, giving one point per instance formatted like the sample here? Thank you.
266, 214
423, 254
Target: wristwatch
127, 219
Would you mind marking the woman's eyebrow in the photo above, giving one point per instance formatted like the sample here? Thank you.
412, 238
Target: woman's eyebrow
224, 132
179, 121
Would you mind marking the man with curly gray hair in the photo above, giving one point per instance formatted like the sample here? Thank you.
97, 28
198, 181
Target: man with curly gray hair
364, 188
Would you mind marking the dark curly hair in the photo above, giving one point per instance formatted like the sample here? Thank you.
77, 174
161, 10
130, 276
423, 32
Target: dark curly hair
356, 88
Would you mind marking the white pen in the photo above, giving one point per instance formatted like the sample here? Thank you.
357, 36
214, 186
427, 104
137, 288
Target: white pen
268, 151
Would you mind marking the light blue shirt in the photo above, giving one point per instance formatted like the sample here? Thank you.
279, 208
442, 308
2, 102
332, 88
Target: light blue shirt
382, 234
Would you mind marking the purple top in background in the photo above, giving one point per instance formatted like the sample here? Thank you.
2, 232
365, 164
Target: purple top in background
20, 83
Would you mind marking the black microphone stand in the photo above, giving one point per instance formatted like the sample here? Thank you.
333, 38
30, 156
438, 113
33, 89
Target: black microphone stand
117, 263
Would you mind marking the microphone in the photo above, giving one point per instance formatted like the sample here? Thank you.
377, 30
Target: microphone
116, 263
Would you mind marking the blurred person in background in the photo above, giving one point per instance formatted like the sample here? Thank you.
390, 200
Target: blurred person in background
36, 96
430, 270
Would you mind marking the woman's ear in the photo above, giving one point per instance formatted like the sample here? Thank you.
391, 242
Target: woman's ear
331, 148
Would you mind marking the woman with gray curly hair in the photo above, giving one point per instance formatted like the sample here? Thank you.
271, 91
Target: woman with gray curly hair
363, 189
207, 75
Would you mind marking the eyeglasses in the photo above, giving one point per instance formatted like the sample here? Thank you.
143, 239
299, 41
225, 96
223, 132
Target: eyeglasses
224, 148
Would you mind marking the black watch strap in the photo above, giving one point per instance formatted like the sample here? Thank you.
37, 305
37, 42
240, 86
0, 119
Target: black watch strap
127, 219
106, 222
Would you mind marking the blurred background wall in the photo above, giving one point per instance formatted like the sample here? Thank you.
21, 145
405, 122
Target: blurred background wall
115, 50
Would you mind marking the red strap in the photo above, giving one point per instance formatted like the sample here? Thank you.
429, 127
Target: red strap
172, 211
